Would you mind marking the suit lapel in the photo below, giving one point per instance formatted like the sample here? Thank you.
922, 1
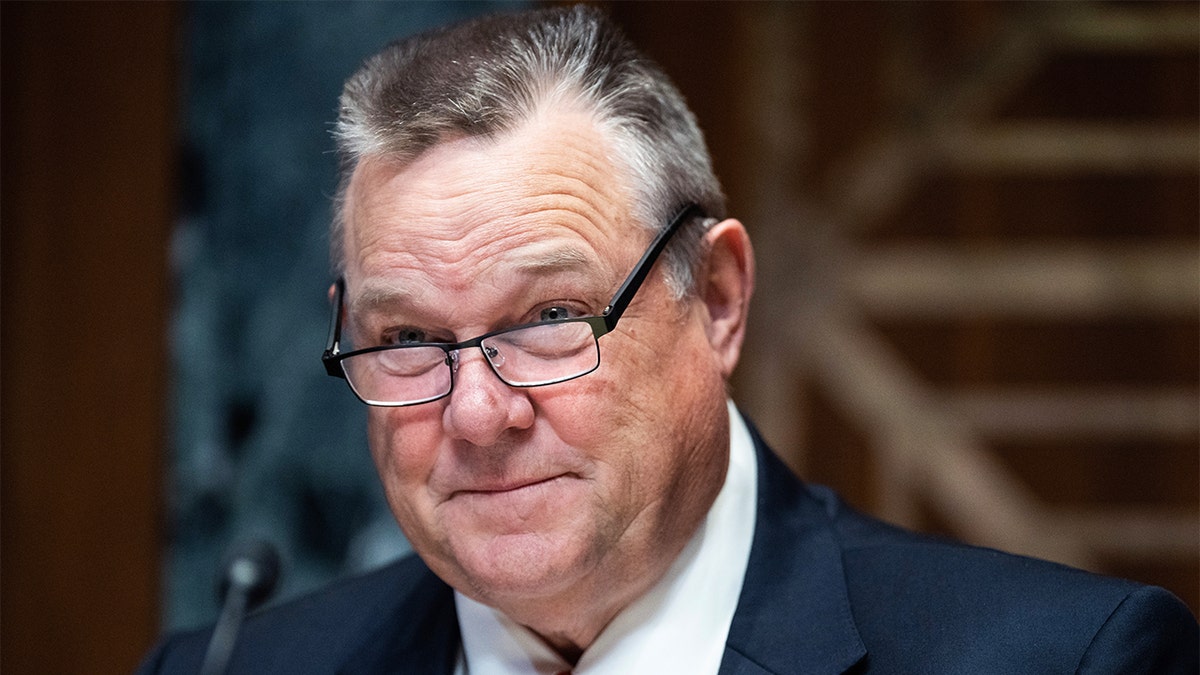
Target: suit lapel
420, 636
794, 612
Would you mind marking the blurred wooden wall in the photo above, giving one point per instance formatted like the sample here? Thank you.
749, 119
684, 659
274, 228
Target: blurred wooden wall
88, 158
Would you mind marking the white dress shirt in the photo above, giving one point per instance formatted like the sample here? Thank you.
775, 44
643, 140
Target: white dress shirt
678, 626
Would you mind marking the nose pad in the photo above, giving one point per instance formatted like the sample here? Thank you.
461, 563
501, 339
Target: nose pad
452, 361
494, 356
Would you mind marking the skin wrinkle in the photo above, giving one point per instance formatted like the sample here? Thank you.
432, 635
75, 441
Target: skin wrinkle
556, 273
451, 250
491, 262
597, 158
448, 217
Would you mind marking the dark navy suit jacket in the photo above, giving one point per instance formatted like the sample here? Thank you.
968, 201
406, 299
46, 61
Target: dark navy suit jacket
827, 590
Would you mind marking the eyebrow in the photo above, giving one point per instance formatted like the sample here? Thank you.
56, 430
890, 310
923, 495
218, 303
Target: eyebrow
375, 295
555, 259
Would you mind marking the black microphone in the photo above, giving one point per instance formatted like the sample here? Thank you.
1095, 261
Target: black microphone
248, 577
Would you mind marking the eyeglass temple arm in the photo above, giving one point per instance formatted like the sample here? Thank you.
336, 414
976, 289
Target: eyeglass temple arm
335, 331
625, 293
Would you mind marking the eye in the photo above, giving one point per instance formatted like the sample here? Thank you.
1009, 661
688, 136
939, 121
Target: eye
402, 336
556, 313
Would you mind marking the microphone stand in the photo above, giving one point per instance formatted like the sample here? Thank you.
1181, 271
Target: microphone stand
249, 577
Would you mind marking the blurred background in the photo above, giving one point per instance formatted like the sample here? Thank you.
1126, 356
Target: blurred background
978, 310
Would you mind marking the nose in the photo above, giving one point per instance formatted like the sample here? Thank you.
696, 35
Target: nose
481, 407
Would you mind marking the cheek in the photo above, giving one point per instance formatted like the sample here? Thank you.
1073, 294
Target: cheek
645, 398
675, 394
659, 370
403, 444
600, 407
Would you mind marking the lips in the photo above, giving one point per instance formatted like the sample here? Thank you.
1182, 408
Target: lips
513, 507
507, 486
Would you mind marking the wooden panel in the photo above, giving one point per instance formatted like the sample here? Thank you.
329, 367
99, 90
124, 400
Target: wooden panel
1139, 482
88, 149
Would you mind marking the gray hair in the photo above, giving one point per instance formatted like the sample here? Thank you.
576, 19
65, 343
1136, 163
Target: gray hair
487, 76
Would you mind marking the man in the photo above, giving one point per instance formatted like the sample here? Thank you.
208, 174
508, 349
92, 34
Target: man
541, 300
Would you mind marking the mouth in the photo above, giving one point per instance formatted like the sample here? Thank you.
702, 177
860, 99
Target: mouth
509, 487
515, 506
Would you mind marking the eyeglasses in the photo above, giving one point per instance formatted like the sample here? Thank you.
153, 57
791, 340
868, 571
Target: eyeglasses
528, 355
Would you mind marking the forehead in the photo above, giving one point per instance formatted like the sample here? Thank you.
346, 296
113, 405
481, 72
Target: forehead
546, 196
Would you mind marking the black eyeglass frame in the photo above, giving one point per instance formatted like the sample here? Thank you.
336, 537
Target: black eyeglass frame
601, 325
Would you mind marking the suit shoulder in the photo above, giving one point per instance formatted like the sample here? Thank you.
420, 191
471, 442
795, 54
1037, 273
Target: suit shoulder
952, 600
879, 553
1150, 631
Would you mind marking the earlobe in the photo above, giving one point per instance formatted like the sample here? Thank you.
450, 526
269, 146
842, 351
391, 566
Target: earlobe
726, 286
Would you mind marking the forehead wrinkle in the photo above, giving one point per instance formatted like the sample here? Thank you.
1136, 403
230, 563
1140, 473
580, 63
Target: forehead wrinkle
537, 259
448, 225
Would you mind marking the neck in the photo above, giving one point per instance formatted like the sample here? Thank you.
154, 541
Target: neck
571, 622
571, 625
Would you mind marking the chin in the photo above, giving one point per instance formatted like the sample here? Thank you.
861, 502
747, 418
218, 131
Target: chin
528, 566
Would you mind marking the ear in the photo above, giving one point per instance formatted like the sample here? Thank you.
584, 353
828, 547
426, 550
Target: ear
725, 284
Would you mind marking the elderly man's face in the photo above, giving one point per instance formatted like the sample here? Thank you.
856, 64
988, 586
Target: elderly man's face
531, 499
